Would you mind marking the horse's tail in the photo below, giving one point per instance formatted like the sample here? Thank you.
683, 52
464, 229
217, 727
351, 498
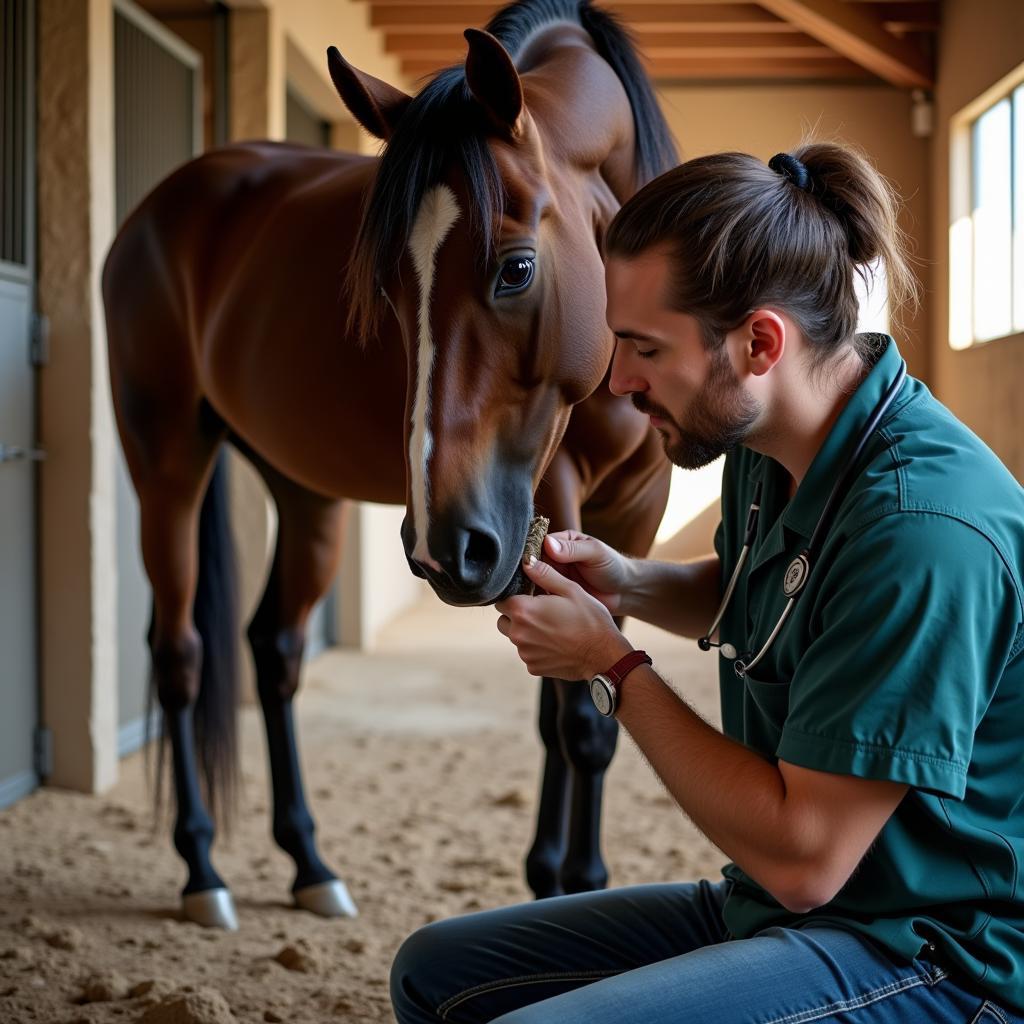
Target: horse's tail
215, 613
216, 618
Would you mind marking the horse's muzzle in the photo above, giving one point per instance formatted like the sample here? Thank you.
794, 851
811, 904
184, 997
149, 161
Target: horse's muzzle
471, 565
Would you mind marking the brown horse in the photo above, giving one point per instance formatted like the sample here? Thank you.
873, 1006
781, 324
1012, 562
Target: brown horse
459, 370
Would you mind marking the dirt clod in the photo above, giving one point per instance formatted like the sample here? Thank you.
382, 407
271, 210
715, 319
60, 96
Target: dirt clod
203, 1006
104, 987
301, 956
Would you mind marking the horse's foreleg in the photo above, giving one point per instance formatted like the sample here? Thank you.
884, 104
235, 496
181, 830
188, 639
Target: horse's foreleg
305, 561
544, 861
589, 740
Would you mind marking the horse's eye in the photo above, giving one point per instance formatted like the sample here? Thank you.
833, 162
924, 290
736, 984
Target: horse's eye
515, 275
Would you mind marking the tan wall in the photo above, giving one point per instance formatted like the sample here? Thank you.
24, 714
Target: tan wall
980, 43
77, 508
765, 119
285, 41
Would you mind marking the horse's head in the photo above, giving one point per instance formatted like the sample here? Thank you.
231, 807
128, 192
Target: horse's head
481, 236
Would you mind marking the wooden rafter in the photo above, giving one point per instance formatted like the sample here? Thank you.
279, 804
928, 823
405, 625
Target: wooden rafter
857, 35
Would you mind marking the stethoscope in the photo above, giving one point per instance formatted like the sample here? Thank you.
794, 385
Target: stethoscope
798, 571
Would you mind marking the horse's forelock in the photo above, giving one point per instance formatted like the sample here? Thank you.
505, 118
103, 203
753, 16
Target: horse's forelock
442, 128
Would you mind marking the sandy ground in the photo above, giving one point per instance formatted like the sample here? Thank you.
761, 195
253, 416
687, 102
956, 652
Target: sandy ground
422, 767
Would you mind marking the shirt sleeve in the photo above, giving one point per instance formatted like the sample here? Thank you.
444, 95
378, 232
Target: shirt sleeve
912, 630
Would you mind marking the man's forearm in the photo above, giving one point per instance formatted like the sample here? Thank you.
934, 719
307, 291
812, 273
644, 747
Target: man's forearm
732, 794
679, 597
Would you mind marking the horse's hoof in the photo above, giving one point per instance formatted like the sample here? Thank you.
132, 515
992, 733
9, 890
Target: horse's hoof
212, 908
328, 899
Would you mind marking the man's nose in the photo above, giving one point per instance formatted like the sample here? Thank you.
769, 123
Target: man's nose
624, 379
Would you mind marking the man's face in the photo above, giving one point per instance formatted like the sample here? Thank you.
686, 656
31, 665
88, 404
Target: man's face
692, 395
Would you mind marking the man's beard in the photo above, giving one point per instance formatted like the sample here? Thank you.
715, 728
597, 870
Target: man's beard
717, 420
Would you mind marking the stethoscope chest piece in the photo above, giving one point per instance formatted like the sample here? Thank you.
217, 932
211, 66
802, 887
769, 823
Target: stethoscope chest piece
796, 575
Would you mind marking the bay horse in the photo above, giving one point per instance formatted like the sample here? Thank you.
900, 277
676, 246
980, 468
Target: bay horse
459, 367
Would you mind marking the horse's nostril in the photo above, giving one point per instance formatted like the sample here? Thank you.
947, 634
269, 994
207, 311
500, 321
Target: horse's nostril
481, 553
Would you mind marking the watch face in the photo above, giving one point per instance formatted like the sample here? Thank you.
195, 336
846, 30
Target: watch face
603, 695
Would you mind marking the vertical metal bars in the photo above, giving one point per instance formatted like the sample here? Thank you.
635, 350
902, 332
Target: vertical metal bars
13, 132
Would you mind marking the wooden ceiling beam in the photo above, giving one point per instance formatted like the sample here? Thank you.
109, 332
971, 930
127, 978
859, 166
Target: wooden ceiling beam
446, 48
714, 69
660, 17
857, 35
897, 17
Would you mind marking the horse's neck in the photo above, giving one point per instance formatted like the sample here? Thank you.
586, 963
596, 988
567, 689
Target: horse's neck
579, 105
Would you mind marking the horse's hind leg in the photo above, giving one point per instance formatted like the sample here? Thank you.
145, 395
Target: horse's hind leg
589, 739
544, 860
587, 736
171, 478
305, 562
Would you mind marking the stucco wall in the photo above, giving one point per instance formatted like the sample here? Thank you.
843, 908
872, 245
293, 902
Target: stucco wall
283, 41
980, 43
77, 510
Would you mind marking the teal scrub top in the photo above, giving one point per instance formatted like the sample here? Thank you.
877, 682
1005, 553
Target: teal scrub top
904, 660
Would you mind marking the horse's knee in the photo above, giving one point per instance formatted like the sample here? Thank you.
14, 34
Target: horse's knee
176, 669
278, 658
547, 717
588, 738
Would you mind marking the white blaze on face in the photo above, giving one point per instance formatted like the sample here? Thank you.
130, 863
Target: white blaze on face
438, 212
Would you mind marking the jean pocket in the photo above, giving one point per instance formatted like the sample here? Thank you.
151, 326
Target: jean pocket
991, 1013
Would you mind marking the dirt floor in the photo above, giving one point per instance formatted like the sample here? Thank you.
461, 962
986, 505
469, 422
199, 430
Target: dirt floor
422, 767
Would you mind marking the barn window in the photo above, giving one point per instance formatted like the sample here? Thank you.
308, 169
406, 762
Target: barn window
986, 262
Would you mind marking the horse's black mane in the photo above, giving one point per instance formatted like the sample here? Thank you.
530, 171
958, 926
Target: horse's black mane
443, 124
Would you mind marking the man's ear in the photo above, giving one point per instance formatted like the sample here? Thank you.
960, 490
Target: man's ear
494, 81
765, 333
376, 105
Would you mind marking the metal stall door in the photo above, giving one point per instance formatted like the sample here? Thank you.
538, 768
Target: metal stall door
19, 675
158, 125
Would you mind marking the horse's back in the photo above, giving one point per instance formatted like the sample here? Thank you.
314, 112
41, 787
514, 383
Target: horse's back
226, 284
194, 228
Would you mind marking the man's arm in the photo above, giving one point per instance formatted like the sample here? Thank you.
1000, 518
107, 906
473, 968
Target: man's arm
679, 597
799, 833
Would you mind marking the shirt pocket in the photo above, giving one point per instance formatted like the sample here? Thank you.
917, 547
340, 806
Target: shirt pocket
766, 707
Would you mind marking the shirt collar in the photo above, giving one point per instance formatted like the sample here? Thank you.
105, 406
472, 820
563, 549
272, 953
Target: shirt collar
804, 510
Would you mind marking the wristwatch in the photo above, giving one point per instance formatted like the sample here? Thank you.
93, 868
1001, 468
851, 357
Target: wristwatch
604, 687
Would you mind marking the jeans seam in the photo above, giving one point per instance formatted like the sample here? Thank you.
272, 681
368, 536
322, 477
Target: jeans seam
894, 987
522, 979
994, 1010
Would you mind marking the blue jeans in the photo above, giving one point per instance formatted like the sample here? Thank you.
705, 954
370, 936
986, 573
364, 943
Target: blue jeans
655, 954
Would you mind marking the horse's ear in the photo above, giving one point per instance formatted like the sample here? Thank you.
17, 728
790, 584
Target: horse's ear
376, 105
493, 80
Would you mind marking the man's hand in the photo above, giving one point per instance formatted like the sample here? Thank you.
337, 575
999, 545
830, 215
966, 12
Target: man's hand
565, 633
599, 569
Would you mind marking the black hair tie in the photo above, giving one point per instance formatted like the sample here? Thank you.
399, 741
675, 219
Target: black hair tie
791, 168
